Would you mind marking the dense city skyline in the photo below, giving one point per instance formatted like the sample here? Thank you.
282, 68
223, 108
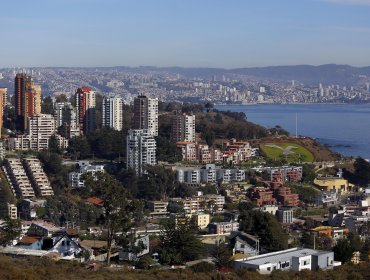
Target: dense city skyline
185, 33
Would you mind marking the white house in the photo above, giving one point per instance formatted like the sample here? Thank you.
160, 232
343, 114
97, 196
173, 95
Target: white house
141, 241
294, 259
66, 246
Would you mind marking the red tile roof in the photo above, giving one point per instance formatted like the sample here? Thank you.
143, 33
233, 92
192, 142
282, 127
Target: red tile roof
29, 240
95, 200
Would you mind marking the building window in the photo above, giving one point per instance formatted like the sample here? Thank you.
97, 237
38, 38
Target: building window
63, 243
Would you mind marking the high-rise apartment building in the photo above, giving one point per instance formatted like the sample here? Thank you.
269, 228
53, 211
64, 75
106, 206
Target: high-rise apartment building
183, 127
146, 114
2, 101
27, 96
112, 113
86, 109
66, 115
141, 150
4, 94
58, 112
40, 129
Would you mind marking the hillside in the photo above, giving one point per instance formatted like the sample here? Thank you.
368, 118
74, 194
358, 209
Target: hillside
309, 74
40, 269
319, 152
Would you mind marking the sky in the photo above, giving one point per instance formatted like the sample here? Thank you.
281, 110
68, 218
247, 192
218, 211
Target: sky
188, 33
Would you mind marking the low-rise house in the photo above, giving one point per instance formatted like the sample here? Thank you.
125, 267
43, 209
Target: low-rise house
223, 227
140, 249
28, 208
25, 226
333, 232
43, 229
285, 216
327, 198
294, 259
244, 243
158, 206
272, 209
66, 245
201, 220
30, 242
75, 178
337, 184
51, 239
96, 201
12, 211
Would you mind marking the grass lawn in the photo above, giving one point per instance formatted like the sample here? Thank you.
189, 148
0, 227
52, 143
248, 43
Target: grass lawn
287, 151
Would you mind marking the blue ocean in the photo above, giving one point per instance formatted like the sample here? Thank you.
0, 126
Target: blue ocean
344, 128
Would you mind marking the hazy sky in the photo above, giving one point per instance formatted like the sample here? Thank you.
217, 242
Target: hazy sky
210, 33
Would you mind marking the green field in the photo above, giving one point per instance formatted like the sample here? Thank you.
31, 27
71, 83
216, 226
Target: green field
287, 151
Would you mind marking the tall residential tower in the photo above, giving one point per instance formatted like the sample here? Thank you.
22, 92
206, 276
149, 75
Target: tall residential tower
183, 127
141, 150
27, 97
112, 113
146, 114
86, 111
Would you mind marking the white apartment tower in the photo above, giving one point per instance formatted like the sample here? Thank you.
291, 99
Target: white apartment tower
146, 114
40, 129
59, 109
112, 113
141, 150
183, 127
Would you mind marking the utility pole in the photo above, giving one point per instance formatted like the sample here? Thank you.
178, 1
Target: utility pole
296, 125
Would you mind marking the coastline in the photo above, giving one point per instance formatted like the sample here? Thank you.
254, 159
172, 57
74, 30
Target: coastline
343, 127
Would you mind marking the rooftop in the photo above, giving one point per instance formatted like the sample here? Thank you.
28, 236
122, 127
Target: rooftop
282, 255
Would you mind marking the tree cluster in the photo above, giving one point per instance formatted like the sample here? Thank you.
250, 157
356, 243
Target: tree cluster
361, 174
266, 227
158, 183
179, 243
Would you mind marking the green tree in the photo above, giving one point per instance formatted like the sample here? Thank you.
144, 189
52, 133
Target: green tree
56, 171
343, 250
210, 138
208, 106
9, 231
266, 227
179, 243
307, 240
308, 173
362, 171
221, 255
145, 262
9, 118
107, 143
54, 145
47, 105
365, 250
118, 209
79, 147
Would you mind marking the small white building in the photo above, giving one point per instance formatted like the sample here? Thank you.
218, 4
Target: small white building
75, 178
128, 255
294, 259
